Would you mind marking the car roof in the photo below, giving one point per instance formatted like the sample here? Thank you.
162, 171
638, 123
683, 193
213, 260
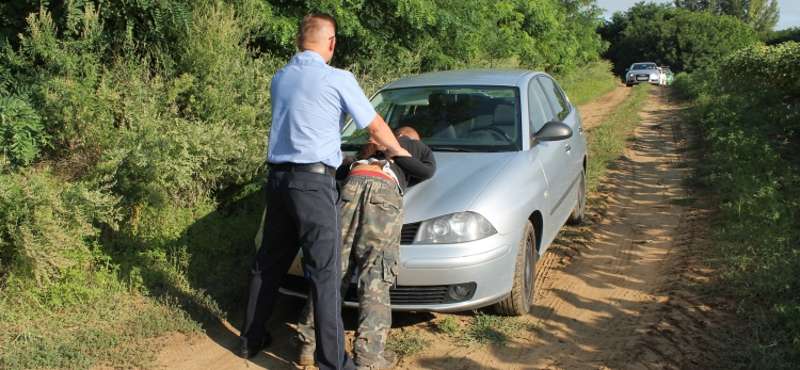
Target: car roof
466, 77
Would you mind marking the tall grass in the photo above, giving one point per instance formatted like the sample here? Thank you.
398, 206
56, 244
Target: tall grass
749, 133
588, 82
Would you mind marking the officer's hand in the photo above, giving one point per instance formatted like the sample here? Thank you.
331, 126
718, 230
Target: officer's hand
367, 150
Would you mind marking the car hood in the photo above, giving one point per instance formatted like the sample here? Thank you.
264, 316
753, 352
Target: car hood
642, 71
459, 180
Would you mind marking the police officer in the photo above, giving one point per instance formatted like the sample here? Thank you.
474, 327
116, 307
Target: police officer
310, 101
372, 218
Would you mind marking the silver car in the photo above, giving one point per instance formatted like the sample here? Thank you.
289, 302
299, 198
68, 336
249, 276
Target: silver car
642, 72
511, 161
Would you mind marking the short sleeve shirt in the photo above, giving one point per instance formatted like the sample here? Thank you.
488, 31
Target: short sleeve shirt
310, 102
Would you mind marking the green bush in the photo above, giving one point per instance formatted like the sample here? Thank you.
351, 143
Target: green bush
748, 132
773, 65
21, 131
46, 225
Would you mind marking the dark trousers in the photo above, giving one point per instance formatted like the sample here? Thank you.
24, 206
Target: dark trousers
372, 218
302, 212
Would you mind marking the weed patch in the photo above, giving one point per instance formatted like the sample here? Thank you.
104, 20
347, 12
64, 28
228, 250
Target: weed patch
407, 344
494, 329
486, 328
448, 325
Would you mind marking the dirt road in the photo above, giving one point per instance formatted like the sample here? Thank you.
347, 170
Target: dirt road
609, 293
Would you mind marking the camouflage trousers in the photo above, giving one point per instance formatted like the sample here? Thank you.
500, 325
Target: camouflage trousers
372, 217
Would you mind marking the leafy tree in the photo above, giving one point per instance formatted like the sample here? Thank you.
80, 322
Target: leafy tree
778, 37
636, 35
761, 14
445, 34
127, 24
684, 40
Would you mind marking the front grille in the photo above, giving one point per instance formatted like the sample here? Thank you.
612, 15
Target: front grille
409, 232
434, 294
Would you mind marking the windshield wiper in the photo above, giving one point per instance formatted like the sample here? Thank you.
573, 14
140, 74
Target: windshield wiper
453, 149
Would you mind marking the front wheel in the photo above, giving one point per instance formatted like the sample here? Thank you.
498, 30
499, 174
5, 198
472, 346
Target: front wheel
520, 300
576, 216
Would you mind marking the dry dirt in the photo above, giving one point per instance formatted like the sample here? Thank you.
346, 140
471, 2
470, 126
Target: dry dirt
610, 294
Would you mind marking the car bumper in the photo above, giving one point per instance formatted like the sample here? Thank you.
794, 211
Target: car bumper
431, 274
640, 78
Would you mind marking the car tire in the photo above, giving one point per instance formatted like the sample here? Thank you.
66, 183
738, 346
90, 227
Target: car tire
576, 216
520, 300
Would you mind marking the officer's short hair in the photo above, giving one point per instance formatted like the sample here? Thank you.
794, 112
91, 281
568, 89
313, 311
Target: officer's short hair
313, 22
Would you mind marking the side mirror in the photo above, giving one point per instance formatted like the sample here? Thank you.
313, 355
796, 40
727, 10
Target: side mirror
553, 131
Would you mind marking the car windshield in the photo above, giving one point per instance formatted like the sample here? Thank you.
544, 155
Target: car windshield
644, 66
456, 119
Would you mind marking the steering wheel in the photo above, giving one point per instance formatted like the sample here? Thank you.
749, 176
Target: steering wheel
495, 130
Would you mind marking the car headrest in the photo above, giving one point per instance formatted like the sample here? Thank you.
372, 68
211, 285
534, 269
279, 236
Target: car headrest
439, 99
504, 115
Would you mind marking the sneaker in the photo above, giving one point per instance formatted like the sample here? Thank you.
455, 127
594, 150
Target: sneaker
387, 361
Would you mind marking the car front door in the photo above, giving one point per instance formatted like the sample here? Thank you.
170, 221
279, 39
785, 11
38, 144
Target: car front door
554, 156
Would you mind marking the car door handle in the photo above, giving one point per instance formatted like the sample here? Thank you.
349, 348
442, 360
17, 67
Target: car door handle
568, 147
580, 129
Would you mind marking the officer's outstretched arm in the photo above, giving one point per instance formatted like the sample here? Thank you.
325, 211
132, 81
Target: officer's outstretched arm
383, 135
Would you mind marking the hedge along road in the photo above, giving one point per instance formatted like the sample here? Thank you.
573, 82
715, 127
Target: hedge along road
608, 296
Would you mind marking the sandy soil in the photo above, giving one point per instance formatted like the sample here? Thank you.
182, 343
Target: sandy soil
610, 294
594, 111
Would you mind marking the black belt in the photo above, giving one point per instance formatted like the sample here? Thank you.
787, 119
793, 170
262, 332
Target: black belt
317, 168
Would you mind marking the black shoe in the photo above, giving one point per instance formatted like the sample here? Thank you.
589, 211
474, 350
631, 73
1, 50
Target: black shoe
248, 350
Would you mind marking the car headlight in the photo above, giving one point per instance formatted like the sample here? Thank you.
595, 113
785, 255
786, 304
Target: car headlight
456, 227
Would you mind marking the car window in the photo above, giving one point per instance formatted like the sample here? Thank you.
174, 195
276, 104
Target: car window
450, 118
538, 108
643, 66
556, 98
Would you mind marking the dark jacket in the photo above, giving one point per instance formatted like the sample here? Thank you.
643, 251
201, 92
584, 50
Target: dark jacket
409, 170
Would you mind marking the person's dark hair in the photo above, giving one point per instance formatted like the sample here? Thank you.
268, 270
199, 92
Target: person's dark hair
312, 21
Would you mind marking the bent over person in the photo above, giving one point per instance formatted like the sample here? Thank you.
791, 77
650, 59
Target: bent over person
372, 218
310, 101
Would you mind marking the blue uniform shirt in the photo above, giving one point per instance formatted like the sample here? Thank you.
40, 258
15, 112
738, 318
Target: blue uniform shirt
310, 101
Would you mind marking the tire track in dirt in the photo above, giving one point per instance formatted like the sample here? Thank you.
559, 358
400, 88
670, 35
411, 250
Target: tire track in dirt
616, 305
603, 292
